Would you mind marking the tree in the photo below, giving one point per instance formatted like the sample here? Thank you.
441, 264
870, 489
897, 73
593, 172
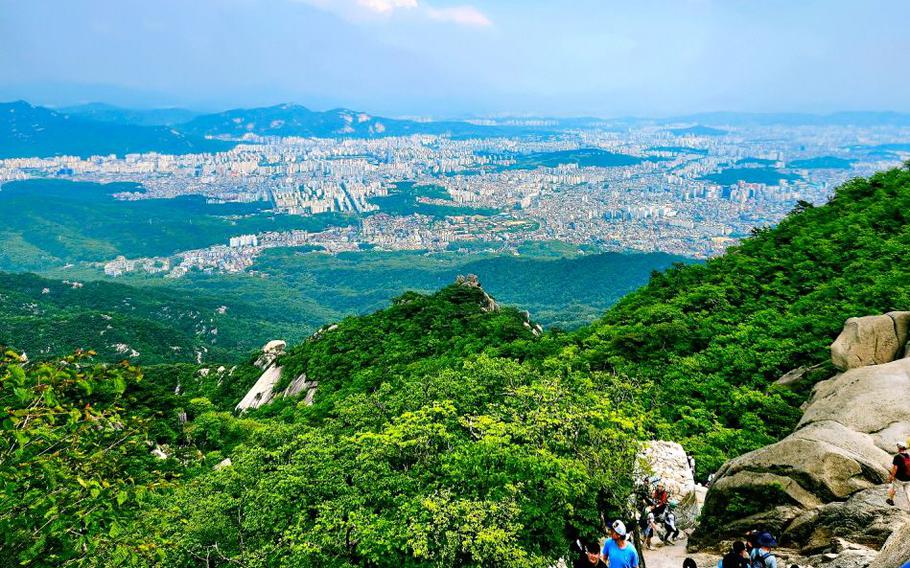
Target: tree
71, 463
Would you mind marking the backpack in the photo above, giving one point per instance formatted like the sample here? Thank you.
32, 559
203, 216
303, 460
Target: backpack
643, 523
758, 561
903, 469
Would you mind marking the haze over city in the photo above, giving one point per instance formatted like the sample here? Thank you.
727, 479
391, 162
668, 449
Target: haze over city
444, 59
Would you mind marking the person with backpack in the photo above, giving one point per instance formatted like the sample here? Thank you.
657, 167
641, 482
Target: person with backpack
669, 522
736, 558
900, 474
661, 498
647, 525
761, 556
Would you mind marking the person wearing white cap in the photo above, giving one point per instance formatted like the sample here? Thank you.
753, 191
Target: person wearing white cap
900, 473
617, 551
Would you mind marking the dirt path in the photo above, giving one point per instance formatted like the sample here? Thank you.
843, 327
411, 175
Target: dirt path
672, 555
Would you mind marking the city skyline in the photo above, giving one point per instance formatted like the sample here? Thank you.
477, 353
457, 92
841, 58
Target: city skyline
444, 59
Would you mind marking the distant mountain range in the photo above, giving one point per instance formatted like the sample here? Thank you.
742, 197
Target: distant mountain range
27, 130
103, 112
98, 128
698, 130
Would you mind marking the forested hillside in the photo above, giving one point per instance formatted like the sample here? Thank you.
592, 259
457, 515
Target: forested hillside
444, 430
46, 317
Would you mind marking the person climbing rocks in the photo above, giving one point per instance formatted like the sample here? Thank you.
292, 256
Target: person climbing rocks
587, 554
900, 474
738, 557
669, 522
761, 556
661, 498
618, 551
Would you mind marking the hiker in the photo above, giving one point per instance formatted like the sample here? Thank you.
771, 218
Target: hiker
689, 563
761, 556
661, 498
736, 558
587, 554
669, 521
900, 474
647, 524
617, 551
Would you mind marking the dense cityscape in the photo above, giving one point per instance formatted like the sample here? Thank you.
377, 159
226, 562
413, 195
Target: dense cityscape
688, 191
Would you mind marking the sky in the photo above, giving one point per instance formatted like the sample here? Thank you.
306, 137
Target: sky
455, 58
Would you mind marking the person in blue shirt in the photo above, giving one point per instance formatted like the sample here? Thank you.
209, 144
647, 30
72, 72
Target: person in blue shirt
617, 551
761, 555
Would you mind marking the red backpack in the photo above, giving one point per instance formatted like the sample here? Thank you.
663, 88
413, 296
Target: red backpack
903, 468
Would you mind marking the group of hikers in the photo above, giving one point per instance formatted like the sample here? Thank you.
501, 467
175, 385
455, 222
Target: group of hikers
756, 551
657, 518
617, 551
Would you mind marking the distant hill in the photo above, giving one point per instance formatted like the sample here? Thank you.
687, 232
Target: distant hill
698, 130
51, 317
103, 112
297, 120
765, 175
32, 131
822, 162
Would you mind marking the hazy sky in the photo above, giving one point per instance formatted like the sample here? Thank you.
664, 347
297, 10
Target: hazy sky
449, 57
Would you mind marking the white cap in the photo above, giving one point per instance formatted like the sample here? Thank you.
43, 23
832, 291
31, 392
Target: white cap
619, 528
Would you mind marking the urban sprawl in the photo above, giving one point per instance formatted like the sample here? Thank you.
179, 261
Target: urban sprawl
638, 189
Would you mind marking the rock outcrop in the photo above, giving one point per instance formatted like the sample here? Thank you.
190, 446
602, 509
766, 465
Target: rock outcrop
822, 489
871, 340
263, 391
668, 462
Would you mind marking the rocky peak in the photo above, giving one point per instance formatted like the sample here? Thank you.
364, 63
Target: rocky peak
488, 304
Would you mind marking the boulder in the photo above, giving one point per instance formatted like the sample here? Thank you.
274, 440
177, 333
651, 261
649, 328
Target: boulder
871, 340
263, 391
825, 483
668, 462
270, 352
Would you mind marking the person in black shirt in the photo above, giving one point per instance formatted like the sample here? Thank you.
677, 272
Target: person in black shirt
587, 554
900, 474
736, 558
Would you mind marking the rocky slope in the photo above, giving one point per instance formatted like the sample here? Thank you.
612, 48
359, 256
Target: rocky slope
823, 488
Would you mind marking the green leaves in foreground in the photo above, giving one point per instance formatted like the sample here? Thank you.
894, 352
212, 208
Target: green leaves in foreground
71, 465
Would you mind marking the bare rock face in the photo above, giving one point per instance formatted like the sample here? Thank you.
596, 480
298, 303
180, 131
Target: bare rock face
668, 462
263, 391
896, 550
270, 351
871, 340
825, 484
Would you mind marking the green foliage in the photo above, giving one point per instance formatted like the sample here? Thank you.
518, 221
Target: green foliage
71, 464
48, 317
495, 465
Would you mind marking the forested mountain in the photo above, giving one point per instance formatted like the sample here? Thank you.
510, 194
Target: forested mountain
444, 430
45, 317
32, 131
